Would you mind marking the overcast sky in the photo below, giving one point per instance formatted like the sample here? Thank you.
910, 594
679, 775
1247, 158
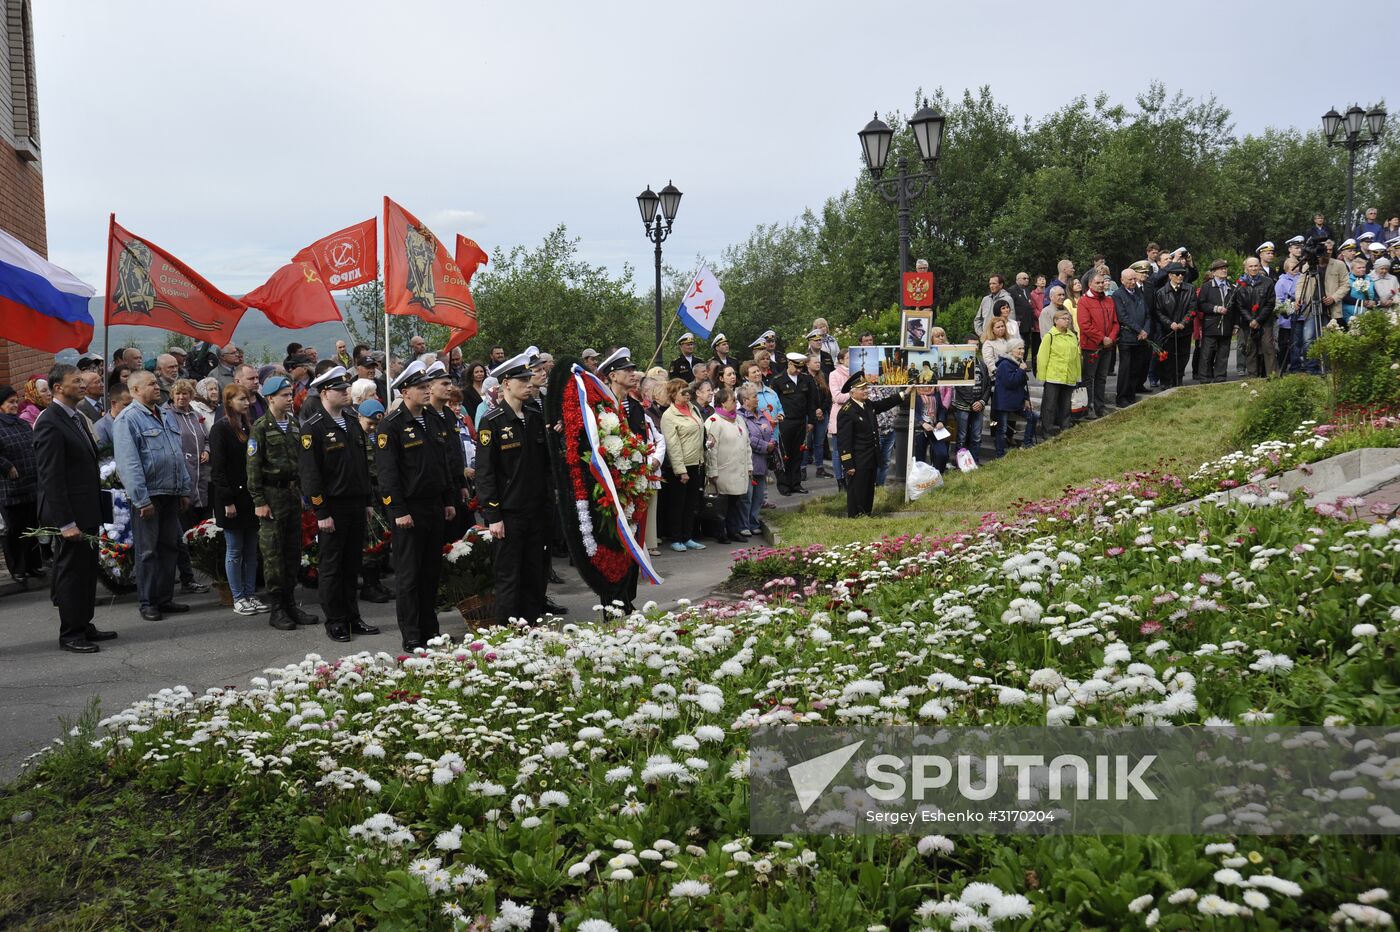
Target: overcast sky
233, 134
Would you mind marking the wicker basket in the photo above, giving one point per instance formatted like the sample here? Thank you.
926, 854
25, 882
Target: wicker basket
478, 609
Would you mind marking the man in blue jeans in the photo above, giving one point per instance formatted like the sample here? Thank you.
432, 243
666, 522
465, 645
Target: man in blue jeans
970, 409
151, 461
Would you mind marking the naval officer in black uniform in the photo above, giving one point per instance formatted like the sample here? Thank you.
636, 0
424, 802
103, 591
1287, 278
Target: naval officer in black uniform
858, 439
335, 477
415, 486
512, 482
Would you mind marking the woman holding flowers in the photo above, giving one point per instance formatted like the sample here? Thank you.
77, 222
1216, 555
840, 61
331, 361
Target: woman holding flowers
233, 506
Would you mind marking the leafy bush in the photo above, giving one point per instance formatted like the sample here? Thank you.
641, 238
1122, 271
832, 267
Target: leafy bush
956, 318
1364, 362
1278, 406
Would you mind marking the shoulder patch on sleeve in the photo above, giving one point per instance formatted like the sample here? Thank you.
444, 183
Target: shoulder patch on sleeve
306, 441
317, 500
388, 499
252, 447
485, 436
383, 442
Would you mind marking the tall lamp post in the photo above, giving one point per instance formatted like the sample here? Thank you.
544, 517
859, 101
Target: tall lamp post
1345, 131
904, 187
658, 228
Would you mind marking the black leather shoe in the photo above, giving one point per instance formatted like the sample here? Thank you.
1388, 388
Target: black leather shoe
152, 614
554, 608
95, 635
358, 626
174, 608
411, 646
338, 631
300, 615
802, 490
78, 645
376, 593
193, 588
279, 620
555, 578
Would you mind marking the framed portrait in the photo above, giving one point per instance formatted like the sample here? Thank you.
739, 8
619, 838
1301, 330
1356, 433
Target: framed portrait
955, 364
914, 327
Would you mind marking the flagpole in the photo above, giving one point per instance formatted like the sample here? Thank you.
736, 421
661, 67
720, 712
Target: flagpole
663, 340
106, 302
388, 351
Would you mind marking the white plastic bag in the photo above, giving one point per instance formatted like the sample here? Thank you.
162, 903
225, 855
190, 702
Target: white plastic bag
921, 478
965, 461
1079, 400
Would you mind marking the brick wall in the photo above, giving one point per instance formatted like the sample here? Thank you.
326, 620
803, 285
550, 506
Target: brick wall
22, 215
21, 182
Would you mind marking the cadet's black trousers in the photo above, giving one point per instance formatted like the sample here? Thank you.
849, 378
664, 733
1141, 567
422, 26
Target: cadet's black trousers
792, 433
520, 568
417, 570
342, 552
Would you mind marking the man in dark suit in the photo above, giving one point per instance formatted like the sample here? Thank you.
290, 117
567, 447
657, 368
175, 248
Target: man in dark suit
71, 499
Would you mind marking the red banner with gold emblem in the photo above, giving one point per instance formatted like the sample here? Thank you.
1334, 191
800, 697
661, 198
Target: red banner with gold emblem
346, 258
918, 289
420, 278
294, 297
148, 287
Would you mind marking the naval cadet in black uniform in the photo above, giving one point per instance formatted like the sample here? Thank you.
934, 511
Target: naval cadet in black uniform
620, 372
335, 477
801, 408
683, 366
448, 434
414, 485
858, 439
512, 481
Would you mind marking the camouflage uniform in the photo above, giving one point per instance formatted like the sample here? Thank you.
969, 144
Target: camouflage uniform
274, 480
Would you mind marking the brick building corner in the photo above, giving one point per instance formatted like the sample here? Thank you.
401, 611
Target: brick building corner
21, 174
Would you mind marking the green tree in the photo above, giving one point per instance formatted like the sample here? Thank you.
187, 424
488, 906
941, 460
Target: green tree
550, 297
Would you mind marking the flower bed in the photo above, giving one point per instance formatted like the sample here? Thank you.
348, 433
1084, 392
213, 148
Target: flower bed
1133, 494
599, 773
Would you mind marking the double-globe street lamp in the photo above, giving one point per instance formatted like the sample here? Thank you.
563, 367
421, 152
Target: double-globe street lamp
904, 187
900, 190
1346, 131
658, 227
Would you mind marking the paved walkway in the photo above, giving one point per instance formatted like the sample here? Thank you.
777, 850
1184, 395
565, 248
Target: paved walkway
41, 686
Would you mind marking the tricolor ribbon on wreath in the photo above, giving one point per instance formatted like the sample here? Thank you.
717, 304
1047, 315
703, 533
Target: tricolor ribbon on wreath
581, 378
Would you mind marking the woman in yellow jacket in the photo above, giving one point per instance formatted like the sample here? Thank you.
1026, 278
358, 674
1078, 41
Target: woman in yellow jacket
1057, 365
685, 450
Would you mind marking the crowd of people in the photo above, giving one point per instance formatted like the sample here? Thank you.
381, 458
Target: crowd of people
199, 433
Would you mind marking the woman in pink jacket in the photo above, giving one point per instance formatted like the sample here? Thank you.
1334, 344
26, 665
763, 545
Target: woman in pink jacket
838, 378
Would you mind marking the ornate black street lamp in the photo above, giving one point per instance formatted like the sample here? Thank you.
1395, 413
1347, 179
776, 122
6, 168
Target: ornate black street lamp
1345, 131
658, 228
904, 187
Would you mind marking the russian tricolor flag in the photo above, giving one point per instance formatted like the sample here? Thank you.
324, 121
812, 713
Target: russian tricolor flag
41, 305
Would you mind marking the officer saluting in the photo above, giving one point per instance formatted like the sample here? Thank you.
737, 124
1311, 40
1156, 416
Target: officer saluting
512, 481
275, 487
335, 476
858, 438
415, 487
